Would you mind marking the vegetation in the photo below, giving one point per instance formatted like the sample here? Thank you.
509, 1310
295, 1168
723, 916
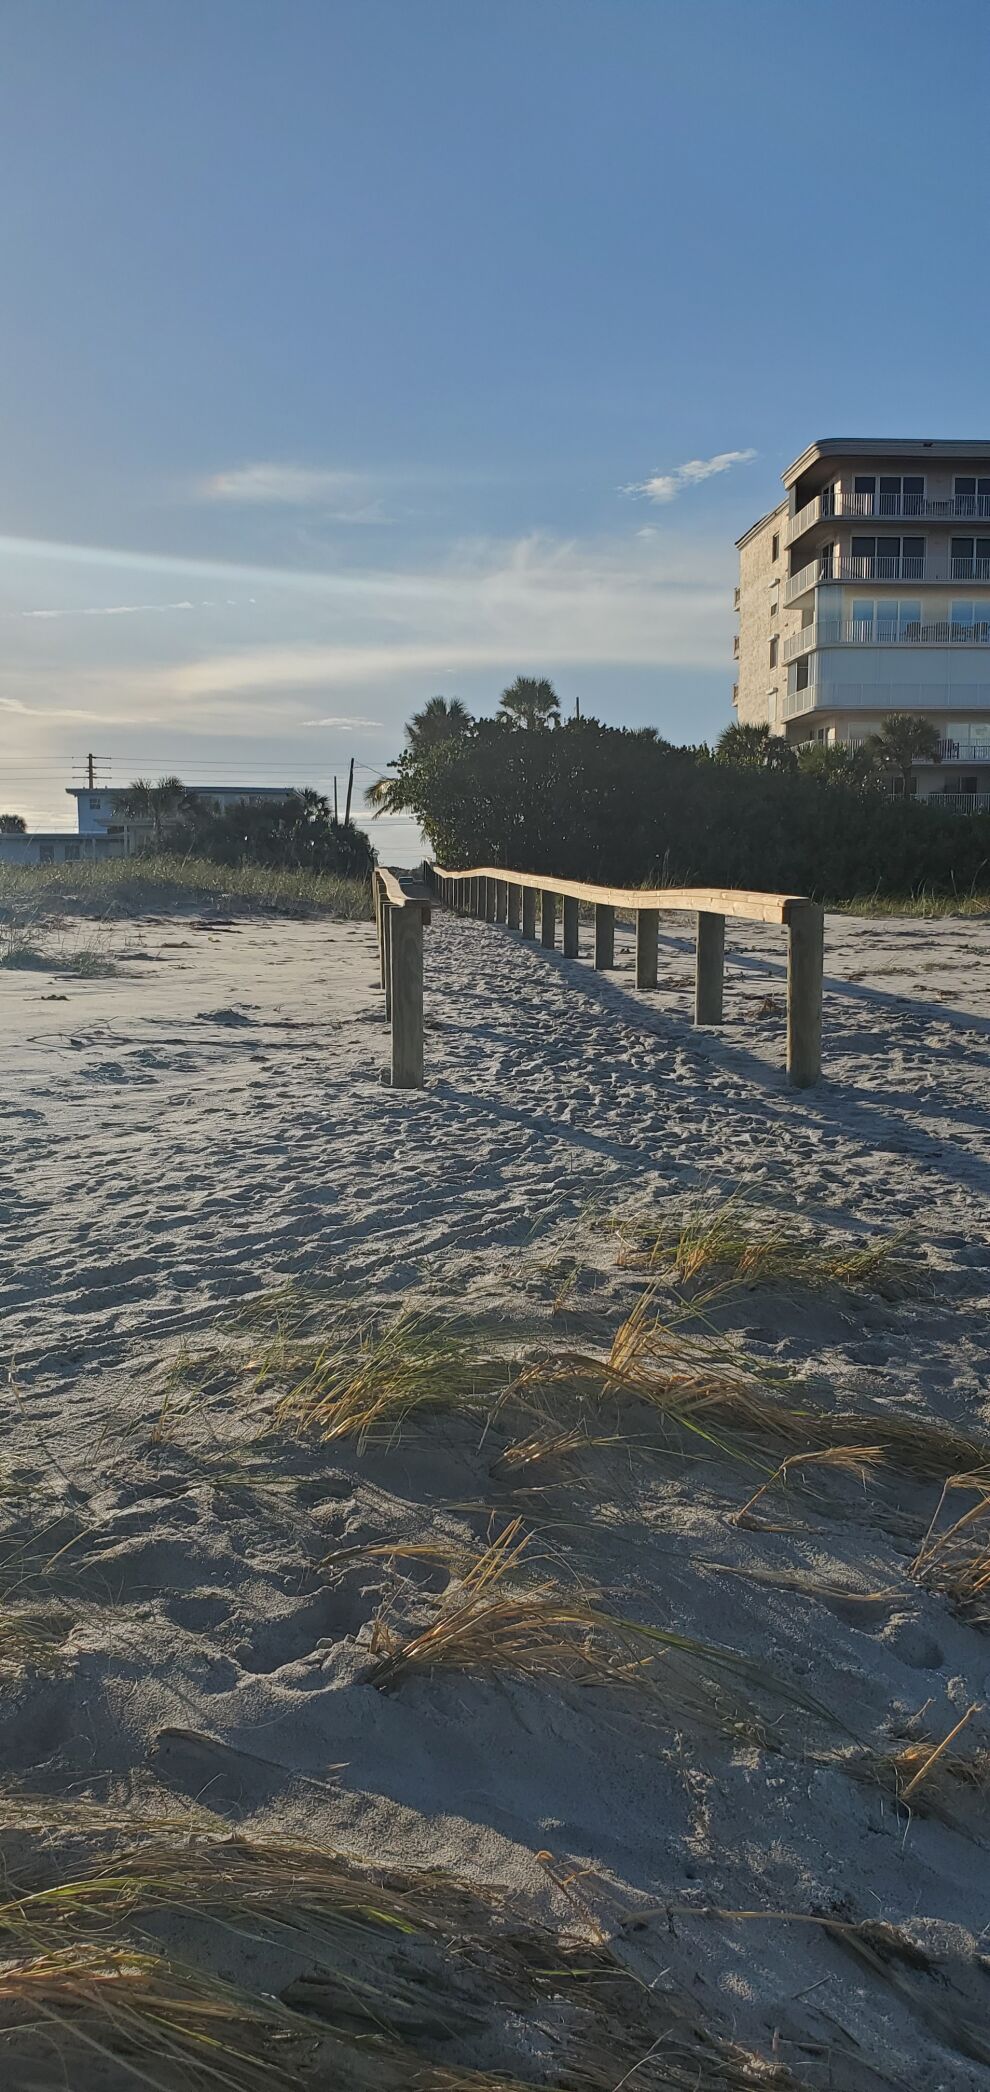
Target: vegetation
530, 702
900, 742
121, 885
625, 807
12, 824
297, 832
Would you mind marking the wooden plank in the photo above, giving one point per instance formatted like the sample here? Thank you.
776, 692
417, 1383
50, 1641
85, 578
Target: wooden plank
805, 963
572, 939
513, 906
709, 968
647, 933
716, 900
407, 999
604, 935
529, 911
387, 913
548, 918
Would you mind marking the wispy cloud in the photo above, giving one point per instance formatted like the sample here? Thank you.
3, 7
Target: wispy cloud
106, 610
342, 496
347, 725
665, 486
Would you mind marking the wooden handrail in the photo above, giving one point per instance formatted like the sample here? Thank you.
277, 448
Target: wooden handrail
395, 894
491, 892
708, 900
402, 911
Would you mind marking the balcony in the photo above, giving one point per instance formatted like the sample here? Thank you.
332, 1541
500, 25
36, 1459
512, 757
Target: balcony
959, 802
837, 632
840, 503
845, 567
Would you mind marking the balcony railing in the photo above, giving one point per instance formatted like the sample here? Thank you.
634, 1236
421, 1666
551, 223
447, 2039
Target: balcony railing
838, 632
839, 503
959, 802
876, 567
969, 570
903, 697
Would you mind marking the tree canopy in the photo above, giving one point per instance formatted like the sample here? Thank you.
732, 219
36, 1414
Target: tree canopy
13, 824
531, 701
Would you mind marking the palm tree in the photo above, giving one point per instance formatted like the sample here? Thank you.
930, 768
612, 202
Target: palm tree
900, 741
441, 719
386, 796
754, 748
13, 824
530, 701
158, 803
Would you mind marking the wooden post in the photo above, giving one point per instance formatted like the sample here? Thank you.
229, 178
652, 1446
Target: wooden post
571, 941
501, 900
474, 904
708, 969
529, 911
548, 919
604, 935
647, 933
805, 964
489, 886
379, 900
513, 906
407, 998
387, 955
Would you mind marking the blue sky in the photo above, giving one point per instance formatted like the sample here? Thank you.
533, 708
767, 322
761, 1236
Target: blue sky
338, 336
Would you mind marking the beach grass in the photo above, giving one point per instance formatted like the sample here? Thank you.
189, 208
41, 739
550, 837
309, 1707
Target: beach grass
730, 1243
925, 905
954, 1556
118, 886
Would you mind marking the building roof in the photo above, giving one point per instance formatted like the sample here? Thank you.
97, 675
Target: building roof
881, 447
195, 791
780, 510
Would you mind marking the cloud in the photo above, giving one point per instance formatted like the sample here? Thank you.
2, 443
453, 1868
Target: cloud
104, 610
344, 497
665, 486
347, 725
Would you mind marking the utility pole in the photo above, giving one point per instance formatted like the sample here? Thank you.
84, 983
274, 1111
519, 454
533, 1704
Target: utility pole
577, 708
350, 788
89, 772
335, 814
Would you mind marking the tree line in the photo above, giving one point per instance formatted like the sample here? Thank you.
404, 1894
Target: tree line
529, 790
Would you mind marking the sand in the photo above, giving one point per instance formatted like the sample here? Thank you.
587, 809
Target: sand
211, 1121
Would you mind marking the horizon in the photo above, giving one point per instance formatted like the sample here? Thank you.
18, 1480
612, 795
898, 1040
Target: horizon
382, 351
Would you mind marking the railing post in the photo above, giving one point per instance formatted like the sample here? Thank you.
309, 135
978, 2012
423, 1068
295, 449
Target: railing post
647, 934
379, 900
501, 900
474, 887
529, 911
571, 940
513, 906
489, 897
407, 998
604, 935
387, 913
548, 918
709, 967
805, 965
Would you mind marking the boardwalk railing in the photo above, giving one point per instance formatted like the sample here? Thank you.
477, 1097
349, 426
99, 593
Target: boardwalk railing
499, 896
402, 910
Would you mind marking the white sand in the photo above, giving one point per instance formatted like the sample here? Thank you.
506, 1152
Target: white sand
211, 1122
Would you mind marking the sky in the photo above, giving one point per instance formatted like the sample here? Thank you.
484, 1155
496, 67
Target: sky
353, 351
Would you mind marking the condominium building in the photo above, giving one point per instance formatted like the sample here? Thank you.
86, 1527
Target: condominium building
867, 591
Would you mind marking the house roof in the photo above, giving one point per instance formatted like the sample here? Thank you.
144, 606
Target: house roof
195, 791
882, 447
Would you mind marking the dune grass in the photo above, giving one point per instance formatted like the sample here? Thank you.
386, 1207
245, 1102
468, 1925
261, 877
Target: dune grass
954, 1556
728, 1244
924, 905
368, 1387
125, 885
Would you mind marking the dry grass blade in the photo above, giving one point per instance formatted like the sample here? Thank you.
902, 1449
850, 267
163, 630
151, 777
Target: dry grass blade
371, 1388
859, 1461
955, 1558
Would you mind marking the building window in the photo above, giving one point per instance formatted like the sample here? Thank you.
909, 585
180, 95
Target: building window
95, 805
888, 559
774, 606
71, 853
802, 673
46, 853
775, 545
735, 647
970, 559
894, 495
774, 651
972, 496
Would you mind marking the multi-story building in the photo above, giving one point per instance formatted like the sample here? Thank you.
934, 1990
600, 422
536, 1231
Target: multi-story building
868, 592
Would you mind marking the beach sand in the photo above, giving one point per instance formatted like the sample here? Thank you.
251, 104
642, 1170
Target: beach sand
210, 1123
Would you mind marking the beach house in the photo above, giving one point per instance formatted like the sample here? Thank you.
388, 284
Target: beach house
867, 591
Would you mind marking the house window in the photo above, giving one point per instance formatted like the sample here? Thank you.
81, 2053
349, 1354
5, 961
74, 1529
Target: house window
774, 651
970, 559
71, 853
972, 496
802, 673
95, 805
46, 853
775, 546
